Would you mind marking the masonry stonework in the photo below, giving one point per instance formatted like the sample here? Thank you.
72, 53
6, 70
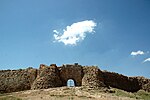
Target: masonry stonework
53, 76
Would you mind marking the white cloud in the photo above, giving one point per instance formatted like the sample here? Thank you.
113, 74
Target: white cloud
137, 53
75, 32
146, 60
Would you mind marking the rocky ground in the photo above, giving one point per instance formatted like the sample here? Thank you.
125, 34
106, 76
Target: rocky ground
75, 93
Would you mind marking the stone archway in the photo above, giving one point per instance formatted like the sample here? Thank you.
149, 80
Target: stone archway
73, 72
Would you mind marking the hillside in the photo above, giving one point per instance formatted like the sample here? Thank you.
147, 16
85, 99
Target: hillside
75, 93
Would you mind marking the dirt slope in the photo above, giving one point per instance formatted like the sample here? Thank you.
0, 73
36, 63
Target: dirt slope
64, 93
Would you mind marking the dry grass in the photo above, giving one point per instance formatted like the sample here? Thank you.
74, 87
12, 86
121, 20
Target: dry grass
9, 98
75, 93
141, 94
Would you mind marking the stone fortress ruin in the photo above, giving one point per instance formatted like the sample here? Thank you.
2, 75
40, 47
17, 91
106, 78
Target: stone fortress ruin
53, 76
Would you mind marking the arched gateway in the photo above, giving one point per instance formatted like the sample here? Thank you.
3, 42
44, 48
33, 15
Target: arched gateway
53, 76
71, 72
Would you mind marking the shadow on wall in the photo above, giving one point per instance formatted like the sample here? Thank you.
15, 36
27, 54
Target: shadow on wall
119, 81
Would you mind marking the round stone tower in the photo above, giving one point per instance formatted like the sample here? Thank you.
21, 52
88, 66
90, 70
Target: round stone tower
48, 76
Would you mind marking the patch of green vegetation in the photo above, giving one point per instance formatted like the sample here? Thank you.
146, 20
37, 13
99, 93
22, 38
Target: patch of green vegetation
124, 93
1, 94
141, 94
9, 98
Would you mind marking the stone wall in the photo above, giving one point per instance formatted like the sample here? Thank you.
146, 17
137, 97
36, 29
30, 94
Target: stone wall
17, 80
144, 83
53, 76
120, 81
92, 77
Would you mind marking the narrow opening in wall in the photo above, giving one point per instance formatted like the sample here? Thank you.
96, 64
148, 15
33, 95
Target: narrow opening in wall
70, 83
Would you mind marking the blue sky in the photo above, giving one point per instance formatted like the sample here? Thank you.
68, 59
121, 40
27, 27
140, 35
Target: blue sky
118, 42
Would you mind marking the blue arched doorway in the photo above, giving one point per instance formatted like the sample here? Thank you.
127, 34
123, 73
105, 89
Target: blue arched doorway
70, 83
